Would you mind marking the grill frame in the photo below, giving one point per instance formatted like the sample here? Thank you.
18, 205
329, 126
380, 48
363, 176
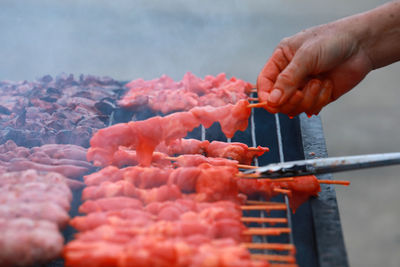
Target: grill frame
325, 212
316, 227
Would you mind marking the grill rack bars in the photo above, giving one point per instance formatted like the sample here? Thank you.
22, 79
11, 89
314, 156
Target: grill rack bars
265, 245
315, 227
282, 159
261, 247
254, 144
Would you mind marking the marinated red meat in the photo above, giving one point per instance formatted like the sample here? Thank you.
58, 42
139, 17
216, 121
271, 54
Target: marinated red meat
183, 147
71, 171
128, 157
106, 141
140, 177
302, 188
108, 204
185, 178
146, 177
36, 211
109, 173
196, 160
235, 151
25, 242
217, 183
145, 136
231, 117
257, 188
166, 95
124, 188
34, 206
64, 159
134, 217
158, 251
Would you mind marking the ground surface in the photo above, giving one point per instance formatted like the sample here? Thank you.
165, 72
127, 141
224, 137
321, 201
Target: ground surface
131, 39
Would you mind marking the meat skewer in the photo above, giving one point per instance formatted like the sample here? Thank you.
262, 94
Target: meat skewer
135, 182
266, 231
263, 220
195, 160
160, 252
271, 246
174, 126
34, 207
275, 258
184, 95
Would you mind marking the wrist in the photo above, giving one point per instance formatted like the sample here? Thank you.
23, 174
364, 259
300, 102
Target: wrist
378, 34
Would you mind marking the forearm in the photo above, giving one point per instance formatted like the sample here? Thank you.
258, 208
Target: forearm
379, 33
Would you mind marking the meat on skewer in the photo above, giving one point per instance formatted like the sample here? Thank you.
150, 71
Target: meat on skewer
195, 160
25, 242
156, 251
36, 211
191, 152
165, 95
236, 151
231, 117
222, 228
111, 203
125, 188
145, 136
68, 160
140, 177
210, 183
157, 211
183, 147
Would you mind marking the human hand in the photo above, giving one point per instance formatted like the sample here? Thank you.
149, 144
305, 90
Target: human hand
313, 68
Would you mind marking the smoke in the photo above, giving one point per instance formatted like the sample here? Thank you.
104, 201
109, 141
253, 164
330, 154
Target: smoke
129, 39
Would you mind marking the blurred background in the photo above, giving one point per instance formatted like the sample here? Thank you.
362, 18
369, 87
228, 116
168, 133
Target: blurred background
130, 39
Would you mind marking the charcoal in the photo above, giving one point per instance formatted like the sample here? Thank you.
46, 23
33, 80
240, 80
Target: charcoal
20, 137
64, 137
60, 110
49, 99
4, 110
53, 91
46, 79
21, 119
120, 116
104, 107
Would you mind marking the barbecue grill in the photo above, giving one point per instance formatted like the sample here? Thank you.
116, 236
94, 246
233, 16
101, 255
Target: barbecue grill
315, 227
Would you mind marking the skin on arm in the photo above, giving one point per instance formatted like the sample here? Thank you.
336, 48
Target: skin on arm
316, 66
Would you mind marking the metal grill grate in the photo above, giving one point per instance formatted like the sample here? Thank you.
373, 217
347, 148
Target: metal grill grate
315, 227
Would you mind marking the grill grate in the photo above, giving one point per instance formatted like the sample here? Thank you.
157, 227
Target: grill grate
315, 227
269, 252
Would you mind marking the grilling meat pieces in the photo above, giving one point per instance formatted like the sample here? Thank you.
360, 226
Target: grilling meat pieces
145, 136
64, 110
67, 160
33, 208
165, 95
25, 241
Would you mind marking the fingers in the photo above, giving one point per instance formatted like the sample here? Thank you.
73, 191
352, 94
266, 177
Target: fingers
324, 98
290, 79
268, 75
311, 92
314, 96
292, 103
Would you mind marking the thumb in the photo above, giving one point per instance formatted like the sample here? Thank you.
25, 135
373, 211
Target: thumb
290, 79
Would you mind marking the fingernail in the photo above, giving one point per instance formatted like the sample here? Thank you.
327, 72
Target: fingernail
275, 96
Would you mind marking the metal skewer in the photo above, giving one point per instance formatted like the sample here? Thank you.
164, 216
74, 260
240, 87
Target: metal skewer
325, 165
